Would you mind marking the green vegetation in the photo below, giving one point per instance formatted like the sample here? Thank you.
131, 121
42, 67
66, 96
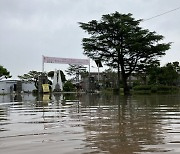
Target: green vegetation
4, 73
31, 76
166, 75
68, 87
153, 79
76, 69
155, 89
119, 41
160, 79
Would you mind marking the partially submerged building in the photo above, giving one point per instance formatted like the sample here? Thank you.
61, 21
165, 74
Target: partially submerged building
18, 86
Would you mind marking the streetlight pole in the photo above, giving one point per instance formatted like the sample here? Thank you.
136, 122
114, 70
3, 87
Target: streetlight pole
98, 72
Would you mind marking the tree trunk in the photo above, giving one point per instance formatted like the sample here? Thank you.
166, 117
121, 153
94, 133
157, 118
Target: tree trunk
124, 78
118, 78
125, 86
119, 71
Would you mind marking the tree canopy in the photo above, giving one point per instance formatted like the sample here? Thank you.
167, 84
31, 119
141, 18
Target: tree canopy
31, 76
166, 75
119, 41
4, 73
77, 70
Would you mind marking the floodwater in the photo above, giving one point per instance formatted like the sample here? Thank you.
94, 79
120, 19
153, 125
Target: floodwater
89, 124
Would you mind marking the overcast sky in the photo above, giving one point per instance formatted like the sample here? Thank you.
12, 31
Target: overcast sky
32, 28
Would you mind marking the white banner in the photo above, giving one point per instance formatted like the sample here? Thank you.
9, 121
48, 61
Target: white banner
65, 60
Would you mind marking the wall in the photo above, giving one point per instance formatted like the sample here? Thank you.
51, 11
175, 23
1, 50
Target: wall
3, 86
6, 86
28, 86
10, 85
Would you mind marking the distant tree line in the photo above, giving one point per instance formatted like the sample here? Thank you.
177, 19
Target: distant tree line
166, 75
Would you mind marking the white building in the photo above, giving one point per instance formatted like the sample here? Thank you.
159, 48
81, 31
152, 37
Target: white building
9, 86
28, 86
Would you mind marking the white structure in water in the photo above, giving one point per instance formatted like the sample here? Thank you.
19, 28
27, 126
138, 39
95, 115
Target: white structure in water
10, 86
54, 80
57, 81
60, 81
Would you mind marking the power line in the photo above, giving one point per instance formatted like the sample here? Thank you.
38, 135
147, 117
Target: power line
162, 14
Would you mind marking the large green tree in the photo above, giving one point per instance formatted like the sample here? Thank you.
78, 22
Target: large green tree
4, 73
119, 41
77, 70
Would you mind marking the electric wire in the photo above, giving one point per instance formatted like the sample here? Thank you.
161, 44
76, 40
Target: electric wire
161, 14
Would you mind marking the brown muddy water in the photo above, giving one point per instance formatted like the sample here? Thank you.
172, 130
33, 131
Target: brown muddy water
89, 124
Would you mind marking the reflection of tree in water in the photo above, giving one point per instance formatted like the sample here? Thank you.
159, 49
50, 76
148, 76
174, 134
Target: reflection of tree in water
18, 98
69, 96
98, 99
123, 128
158, 99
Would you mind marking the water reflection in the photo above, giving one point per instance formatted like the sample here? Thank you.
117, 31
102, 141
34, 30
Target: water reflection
124, 129
92, 123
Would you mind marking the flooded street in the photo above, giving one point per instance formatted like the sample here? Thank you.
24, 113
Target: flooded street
90, 123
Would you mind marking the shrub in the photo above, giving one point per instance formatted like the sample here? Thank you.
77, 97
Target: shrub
164, 88
155, 88
142, 87
136, 83
68, 86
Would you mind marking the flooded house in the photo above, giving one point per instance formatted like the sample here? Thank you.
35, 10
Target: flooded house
17, 86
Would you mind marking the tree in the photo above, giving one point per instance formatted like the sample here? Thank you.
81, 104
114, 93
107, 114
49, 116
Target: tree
176, 66
166, 75
119, 41
110, 78
77, 70
31, 76
68, 86
63, 77
143, 71
4, 73
154, 74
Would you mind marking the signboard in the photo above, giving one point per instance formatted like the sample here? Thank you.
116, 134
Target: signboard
46, 97
65, 60
98, 63
45, 88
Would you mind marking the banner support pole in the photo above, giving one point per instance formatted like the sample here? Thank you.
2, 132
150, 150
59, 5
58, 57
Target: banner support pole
89, 66
42, 63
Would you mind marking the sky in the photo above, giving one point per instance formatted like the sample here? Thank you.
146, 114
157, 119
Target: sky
32, 28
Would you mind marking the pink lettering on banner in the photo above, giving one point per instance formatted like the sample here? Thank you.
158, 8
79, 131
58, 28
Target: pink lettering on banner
65, 60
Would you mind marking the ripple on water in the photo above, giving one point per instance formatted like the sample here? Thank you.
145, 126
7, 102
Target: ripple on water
141, 124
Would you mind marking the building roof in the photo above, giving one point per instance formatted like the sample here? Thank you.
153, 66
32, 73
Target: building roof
7, 80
